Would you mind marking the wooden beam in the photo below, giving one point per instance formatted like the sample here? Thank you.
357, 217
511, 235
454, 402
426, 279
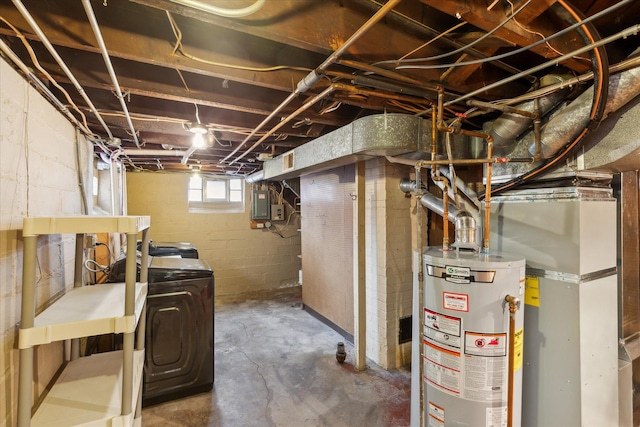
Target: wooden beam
476, 13
143, 34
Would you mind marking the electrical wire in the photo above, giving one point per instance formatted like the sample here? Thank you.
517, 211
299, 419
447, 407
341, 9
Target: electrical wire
515, 21
601, 82
36, 63
513, 52
465, 47
598, 46
422, 46
179, 47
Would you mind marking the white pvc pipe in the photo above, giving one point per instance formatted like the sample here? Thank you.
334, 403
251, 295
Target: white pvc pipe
23, 67
228, 13
43, 38
107, 61
155, 153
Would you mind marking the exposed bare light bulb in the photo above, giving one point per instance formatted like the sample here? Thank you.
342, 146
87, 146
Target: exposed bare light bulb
199, 141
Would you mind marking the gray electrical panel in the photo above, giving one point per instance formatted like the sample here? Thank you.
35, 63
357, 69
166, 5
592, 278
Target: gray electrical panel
260, 204
277, 212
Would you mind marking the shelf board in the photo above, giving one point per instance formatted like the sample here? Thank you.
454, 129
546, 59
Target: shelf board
34, 226
88, 392
85, 311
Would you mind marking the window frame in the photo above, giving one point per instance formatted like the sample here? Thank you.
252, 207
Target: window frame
216, 205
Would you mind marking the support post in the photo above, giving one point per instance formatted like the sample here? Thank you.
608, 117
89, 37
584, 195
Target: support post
359, 270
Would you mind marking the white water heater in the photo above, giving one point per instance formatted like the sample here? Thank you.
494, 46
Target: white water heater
467, 338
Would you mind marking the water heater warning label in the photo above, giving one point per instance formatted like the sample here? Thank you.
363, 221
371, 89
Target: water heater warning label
442, 329
436, 415
456, 302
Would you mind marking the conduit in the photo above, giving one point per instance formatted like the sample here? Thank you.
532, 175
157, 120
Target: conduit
154, 153
107, 61
43, 38
220, 11
314, 76
42, 87
601, 79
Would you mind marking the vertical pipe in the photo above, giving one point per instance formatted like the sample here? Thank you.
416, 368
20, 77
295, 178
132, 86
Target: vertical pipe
25, 374
417, 332
537, 130
359, 269
487, 207
416, 340
513, 303
445, 217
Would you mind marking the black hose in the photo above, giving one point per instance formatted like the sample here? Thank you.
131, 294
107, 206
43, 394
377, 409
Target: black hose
600, 65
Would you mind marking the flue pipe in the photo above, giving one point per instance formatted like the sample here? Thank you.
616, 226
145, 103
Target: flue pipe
107, 62
43, 38
315, 75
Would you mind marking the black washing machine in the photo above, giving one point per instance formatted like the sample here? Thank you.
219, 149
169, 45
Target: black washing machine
181, 249
179, 334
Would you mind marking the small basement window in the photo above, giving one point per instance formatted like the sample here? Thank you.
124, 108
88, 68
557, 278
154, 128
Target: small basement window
216, 194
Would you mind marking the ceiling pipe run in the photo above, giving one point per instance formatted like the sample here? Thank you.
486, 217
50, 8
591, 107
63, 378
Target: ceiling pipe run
42, 87
510, 125
571, 120
329, 90
107, 61
43, 38
220, 11
154, 153
315, 75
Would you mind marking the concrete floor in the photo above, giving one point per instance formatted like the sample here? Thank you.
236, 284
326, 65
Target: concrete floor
275, 365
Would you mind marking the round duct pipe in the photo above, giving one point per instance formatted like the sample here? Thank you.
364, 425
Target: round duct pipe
509, 126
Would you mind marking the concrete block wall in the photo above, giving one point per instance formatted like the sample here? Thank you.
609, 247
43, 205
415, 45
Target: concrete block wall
389, 277
38, 177
244, 260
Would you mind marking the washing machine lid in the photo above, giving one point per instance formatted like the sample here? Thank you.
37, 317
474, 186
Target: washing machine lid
169, 263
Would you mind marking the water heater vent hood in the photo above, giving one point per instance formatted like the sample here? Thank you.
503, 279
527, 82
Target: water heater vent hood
368, 137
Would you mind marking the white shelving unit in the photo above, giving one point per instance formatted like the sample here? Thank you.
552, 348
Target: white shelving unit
103, 389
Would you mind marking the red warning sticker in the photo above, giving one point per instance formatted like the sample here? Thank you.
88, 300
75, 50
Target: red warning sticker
456, 302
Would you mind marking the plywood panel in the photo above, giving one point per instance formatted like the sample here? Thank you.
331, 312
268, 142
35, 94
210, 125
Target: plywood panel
327, 244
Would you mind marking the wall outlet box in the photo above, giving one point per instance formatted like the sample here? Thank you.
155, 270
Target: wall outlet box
277, 212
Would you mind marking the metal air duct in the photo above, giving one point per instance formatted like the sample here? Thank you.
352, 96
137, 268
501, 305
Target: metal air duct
365, 138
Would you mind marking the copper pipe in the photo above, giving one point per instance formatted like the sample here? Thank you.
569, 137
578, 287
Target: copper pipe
501, 107
487, 191
489, 161
514, 303
330, 89
315, 75
383, 72
537, 130
445, 162
435, 176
